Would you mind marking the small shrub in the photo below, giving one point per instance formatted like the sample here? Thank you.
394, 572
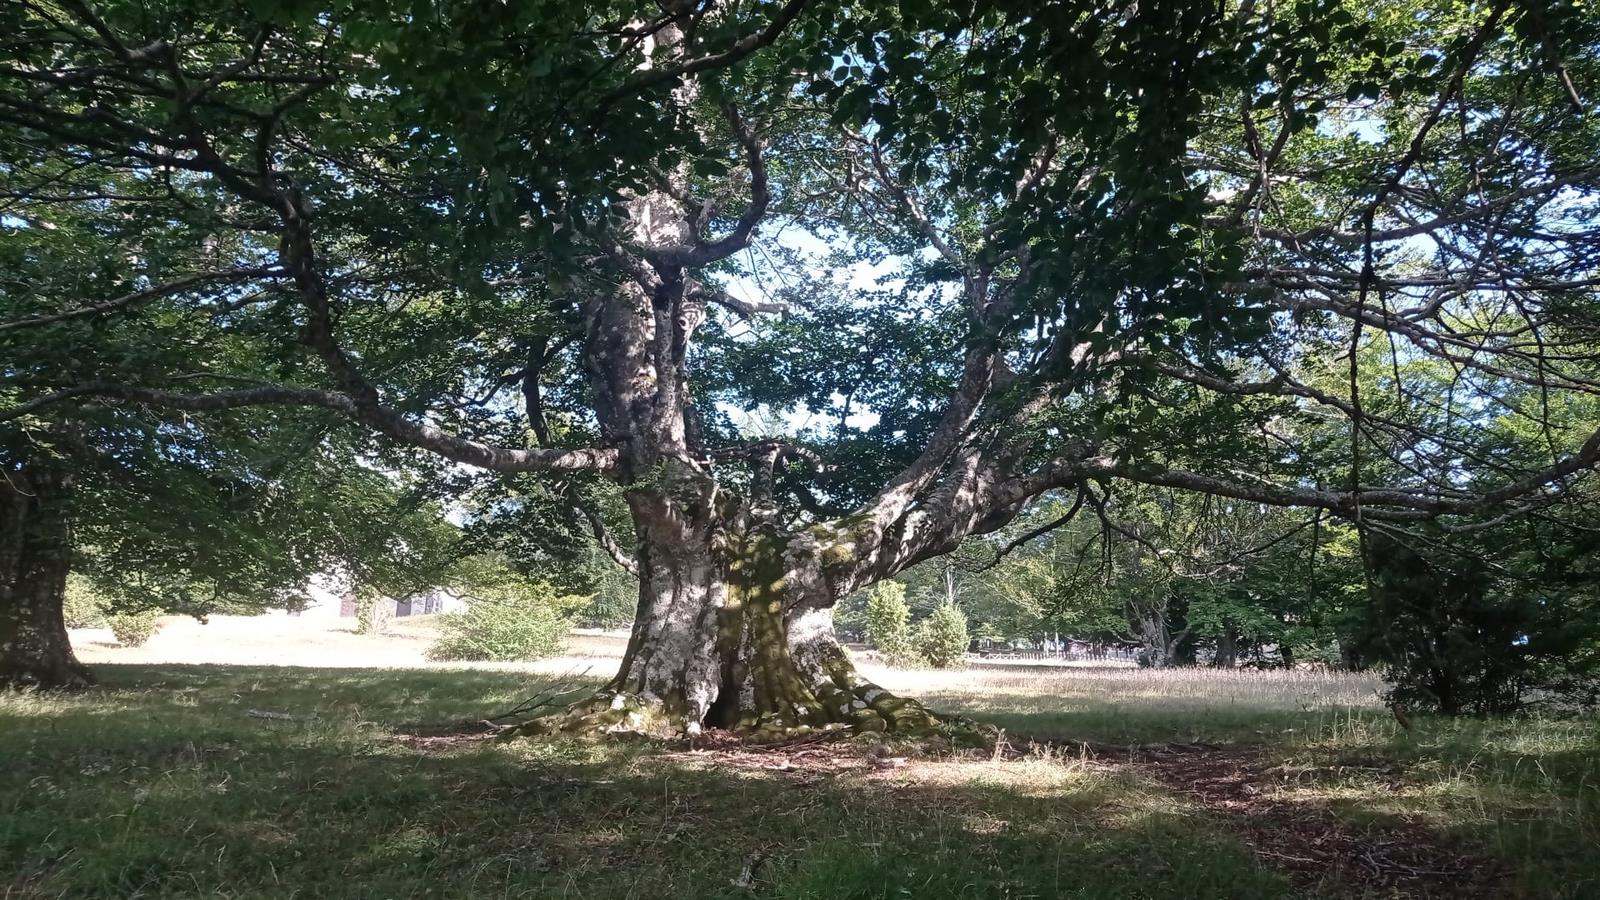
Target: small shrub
83, 607
888, 623
1452, 644
135, 628
616, 598
373, 610
941, 638
507, 617
495, 630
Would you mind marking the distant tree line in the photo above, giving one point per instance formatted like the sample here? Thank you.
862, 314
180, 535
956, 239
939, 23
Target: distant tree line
1480, 623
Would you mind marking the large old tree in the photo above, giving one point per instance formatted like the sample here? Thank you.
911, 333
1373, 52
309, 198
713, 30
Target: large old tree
965, 254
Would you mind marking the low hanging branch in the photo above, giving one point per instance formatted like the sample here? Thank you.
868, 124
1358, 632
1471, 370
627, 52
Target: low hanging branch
380, 418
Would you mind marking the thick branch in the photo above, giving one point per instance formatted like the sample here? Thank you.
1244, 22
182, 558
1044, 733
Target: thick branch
742, 308
705, 253
384, 420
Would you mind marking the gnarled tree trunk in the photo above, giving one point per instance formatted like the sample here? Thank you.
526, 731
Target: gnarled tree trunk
1157, 646
734, 626
35, 556
730, 633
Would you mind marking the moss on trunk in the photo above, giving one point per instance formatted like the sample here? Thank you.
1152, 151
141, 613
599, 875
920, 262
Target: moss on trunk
776, 666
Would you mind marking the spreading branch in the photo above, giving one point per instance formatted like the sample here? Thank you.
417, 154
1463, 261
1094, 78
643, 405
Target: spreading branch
382, 419
142, 296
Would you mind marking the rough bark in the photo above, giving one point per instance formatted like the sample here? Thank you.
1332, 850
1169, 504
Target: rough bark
1351, 658
35, 556
1157, 645
727, 635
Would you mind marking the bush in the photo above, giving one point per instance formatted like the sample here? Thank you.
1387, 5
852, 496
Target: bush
373, 610
941, 638
1451, 641
508, 617
84, 607
850, 617
615, 600
888, 623
134, 629
501, 630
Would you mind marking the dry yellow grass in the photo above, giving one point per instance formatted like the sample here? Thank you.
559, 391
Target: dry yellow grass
1113, 702
279, 640
1177, 689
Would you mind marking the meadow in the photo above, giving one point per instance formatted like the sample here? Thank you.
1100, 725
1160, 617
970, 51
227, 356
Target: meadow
190, 779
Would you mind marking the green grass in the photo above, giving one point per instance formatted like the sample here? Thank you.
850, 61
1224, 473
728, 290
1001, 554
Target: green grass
161, 784
1525, 789
1138, 706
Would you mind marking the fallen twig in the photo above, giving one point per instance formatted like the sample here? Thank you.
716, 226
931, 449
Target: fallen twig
747, 874
278, 716
551, 689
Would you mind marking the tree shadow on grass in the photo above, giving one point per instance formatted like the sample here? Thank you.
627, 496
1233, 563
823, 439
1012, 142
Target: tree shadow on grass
1532, 819
162, 786
1446, 808
469, 825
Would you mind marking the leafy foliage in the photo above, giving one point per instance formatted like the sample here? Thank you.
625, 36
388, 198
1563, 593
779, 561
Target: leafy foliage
889, 623
507, 617
941, 639
614, 601
1332, 256
83, 606
133, 629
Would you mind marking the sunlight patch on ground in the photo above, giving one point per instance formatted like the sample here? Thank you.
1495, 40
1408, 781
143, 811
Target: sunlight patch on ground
279, 640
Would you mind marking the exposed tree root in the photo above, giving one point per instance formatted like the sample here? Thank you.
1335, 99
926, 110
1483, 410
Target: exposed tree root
865, 709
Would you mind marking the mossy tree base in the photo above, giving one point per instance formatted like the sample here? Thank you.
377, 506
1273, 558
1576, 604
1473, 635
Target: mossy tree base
868, 709
733, 632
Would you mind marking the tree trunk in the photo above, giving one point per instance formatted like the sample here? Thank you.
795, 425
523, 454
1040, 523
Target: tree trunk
35, 556
1227, 649
1156, 644
1351, 657
734, 623
727, 635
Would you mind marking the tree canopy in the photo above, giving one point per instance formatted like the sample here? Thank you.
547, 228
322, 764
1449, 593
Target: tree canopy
969, 256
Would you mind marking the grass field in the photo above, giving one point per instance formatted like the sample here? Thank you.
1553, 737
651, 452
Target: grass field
214, 780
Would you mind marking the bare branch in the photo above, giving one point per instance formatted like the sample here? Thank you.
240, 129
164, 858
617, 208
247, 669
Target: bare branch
744, 309
603, 536
1033, 533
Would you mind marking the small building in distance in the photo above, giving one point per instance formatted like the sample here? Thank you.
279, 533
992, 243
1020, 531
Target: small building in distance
331, 596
